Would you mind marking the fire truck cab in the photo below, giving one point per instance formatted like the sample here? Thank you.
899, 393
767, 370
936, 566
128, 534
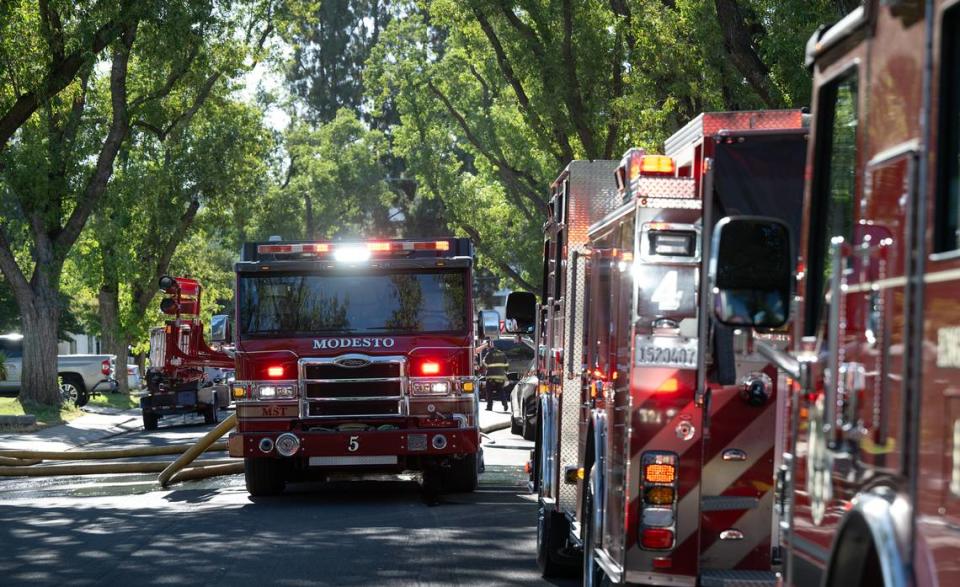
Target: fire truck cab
356, 358
656, 454
873, 483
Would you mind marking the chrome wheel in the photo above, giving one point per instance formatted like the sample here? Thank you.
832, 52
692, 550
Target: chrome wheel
69, 393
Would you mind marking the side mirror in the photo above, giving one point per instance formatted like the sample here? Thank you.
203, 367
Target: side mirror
220, 329
751, 271
521, 312
489, 323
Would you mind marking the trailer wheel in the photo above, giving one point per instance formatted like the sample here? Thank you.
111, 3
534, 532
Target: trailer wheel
463, 475
150, 421
211, 414
264, 477
552, 531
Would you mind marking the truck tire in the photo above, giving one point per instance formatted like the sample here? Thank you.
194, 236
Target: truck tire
211, 413
73, 389
552, 531
462, 477
150, 421
264, 477
528, 423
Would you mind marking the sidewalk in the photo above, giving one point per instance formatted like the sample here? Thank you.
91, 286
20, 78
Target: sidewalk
96, 424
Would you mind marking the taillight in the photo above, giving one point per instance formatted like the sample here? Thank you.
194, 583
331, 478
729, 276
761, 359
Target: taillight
105, 367
659, 499
656, 538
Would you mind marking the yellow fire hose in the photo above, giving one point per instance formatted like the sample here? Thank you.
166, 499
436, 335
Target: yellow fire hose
8, 456
16, 463
196, 450
98, 469
19, 462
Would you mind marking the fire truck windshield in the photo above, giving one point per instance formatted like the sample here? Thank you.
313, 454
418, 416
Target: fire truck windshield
285, 304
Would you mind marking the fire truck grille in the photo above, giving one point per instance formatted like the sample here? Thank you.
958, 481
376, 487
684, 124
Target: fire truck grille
365, 408
338, 387
353, 389
334, 371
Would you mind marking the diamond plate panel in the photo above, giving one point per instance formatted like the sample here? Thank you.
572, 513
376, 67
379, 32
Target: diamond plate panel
710, 123
724, 578
664, 187
570, 399
592, 195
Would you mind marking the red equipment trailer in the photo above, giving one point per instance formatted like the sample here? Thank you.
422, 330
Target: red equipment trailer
178, 355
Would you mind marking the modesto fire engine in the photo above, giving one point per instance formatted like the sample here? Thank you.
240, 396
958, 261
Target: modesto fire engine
658, 427
872, 462
355, 358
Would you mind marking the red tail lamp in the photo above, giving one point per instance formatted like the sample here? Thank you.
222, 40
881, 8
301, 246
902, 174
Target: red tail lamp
105, 367
275, 371
656, 538
429, 368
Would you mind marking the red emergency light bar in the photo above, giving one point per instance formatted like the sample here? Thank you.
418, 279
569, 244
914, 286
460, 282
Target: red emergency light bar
373, 247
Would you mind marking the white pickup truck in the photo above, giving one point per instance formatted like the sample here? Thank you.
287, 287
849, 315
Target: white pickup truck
81, 376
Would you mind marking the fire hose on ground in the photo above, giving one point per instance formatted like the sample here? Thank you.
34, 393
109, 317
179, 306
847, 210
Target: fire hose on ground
19, 463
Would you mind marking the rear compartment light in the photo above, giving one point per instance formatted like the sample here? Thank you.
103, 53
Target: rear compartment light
673, 243
659, 473
656, 538
467, 387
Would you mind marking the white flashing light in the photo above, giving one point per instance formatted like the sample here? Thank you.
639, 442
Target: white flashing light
351, 254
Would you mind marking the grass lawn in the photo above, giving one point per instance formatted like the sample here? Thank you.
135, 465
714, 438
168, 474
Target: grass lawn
122, 401
52, 415
46, 415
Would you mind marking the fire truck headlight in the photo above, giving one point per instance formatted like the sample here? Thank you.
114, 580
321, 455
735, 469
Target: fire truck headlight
440, 387
430, 388
267, 392
285, 391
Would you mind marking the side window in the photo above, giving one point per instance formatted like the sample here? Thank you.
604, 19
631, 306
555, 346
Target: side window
834, 185
947, 215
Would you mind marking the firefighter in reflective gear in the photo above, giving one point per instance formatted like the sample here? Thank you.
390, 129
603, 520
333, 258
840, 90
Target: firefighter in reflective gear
495, 370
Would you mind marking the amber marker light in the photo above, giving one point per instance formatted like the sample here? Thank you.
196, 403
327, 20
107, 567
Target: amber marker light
659, 473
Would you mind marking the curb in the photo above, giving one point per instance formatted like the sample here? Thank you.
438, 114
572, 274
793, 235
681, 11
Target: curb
17, 423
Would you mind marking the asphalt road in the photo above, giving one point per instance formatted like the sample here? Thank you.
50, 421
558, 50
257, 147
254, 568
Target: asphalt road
126, 530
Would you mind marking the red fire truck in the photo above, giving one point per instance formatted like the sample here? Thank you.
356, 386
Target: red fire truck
873, 452
178, 356
356, 357
657, 447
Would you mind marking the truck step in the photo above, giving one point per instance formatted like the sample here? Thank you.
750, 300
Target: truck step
732, 578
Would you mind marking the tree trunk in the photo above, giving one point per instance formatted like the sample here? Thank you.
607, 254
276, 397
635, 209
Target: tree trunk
114, 341
39, 379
